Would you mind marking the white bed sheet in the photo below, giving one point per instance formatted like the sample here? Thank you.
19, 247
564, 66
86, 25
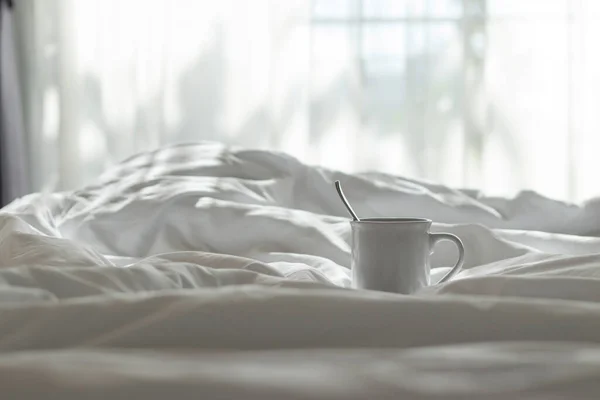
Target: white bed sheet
203, 269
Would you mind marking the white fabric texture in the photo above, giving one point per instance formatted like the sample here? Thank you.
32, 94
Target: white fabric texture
456, 91
208, 269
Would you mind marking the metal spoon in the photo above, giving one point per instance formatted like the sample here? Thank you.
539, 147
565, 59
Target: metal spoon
338, 187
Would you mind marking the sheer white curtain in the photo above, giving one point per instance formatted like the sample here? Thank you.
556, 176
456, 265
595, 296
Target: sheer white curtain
498, 95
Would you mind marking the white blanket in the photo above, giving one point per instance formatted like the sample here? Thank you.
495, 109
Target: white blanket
208, 271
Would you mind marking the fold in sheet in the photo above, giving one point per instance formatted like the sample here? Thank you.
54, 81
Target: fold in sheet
234, 254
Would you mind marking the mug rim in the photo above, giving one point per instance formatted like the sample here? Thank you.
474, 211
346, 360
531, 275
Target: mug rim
392, 220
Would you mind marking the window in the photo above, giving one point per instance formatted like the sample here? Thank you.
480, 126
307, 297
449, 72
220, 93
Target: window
494, 94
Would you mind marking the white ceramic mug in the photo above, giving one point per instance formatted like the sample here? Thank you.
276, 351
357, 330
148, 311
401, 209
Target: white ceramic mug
392, 254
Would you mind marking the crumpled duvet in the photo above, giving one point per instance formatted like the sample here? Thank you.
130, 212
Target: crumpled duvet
203, 268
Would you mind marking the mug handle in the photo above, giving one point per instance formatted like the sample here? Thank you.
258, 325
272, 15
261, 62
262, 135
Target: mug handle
434, 238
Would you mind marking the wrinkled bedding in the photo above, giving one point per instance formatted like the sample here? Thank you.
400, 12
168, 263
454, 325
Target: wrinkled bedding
212, 271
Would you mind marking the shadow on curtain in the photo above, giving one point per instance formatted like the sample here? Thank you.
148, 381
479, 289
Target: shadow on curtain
13, 177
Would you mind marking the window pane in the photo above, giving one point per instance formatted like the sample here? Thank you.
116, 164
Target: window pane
385, 60
412, 94
412, 8
337, 9
532, 8
445, 8
393, 9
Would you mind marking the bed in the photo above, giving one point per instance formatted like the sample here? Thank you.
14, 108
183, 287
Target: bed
215, 272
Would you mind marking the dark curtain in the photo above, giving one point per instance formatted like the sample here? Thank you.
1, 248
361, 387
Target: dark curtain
13, 176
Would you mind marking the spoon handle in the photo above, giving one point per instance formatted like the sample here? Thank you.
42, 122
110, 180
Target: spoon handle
338, 187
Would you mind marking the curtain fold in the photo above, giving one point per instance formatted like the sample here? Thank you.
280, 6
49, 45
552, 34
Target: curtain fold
14, 180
